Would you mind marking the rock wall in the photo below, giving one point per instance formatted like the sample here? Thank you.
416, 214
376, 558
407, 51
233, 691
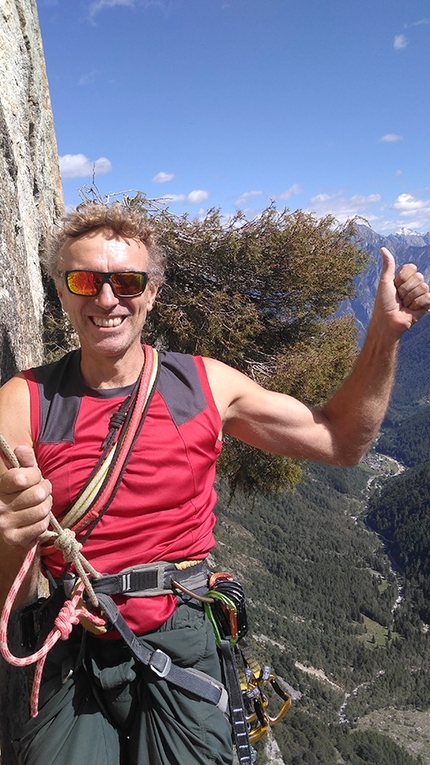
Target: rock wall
30, 185
30, 201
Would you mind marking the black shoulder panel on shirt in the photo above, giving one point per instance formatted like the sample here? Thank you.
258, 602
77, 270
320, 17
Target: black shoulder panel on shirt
180, 387
60, 398
61, 390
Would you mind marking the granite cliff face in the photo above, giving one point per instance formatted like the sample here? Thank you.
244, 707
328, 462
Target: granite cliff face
30, 187
31, 200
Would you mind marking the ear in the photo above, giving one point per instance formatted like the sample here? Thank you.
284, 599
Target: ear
60, 290
152, 294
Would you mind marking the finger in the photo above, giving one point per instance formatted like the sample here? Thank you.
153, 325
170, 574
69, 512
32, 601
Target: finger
388, 264
18, 480
412, 290
406, 272
25, 456
25, 516
420, 304
38, 494
24, 532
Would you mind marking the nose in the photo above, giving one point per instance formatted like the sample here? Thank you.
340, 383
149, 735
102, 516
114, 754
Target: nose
106, 297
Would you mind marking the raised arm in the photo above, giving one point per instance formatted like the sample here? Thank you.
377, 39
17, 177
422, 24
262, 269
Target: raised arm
344, 428
25, 497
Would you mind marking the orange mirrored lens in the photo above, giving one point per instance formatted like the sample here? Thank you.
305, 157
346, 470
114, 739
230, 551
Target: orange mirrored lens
84, 282
89, 283
128, 283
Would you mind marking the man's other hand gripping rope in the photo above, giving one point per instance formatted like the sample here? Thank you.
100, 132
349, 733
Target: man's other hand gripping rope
71, 611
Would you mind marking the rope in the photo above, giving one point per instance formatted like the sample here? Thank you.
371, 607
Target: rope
69, 614
145, 389
64, 539
67, 617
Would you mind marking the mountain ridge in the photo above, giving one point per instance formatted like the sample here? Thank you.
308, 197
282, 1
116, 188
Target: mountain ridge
406, 248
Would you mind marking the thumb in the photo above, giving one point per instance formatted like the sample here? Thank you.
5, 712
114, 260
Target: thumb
388, 265
25, 456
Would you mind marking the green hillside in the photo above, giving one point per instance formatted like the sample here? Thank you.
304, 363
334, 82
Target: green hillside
400, 512
320, 600
408, 440
412, 388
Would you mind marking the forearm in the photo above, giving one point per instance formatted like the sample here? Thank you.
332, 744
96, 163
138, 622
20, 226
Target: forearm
12, 558
356, 411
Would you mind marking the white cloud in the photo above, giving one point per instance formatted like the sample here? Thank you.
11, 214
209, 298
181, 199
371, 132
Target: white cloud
163, 177
413, 213
418, 23
294, 189
96, 6
341, 207
397, 173
99, 5
406, 204
246, 196
391, 138
193, 198
197, 197
400, 42
410, 213
79, 166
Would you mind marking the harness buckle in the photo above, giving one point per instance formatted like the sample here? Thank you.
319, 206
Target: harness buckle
126, 582
160, 663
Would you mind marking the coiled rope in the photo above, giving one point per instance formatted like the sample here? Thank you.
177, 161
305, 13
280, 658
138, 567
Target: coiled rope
72, 610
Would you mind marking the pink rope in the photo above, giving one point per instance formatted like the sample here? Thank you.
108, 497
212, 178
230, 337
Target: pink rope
67, 617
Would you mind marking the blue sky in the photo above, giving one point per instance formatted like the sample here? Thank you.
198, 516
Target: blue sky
321, 105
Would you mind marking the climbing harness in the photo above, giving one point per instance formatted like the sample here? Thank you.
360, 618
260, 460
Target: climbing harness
245, 699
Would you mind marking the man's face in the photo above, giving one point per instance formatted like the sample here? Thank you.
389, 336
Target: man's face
106, 325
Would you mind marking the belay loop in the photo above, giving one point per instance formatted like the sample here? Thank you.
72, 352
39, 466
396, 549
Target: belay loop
251, 687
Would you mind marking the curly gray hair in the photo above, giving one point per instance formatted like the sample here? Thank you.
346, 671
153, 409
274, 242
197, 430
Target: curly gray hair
120, 218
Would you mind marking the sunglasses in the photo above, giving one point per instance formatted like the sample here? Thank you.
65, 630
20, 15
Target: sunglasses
124, 284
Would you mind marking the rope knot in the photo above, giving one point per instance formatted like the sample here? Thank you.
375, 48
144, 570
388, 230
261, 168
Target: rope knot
68, 544
66, 619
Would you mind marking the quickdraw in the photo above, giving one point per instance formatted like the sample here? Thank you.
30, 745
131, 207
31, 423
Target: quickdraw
261, 689
258, 685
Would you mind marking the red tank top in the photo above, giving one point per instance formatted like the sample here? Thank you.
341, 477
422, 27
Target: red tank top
163, 509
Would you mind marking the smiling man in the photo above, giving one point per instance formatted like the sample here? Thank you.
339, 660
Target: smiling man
106, 290
99, 702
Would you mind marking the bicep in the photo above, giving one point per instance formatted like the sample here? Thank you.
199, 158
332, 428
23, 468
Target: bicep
280, 424
270, 421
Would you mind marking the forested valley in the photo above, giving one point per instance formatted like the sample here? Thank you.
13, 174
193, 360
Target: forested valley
337, 574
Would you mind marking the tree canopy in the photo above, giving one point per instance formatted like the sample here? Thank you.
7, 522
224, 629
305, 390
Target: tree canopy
259, 295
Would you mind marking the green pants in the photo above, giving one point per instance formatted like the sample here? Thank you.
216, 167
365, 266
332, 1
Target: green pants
115, 711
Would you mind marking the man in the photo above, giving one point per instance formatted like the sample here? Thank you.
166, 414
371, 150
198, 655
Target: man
111, 709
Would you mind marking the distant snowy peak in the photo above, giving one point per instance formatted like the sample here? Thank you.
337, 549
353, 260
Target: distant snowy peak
407, 232
409, 238
402, 239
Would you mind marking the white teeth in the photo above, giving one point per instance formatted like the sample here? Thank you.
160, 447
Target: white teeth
107, 322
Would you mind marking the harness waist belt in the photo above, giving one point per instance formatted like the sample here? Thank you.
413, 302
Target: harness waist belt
151, 579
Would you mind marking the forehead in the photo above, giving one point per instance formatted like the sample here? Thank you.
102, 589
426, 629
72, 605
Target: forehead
103, 251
